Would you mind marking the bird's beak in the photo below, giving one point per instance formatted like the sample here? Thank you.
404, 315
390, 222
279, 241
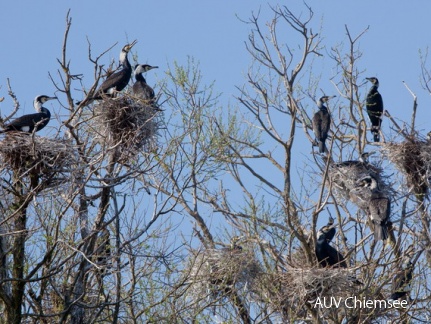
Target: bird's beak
52, 98
132, 44
369, 79
154, 67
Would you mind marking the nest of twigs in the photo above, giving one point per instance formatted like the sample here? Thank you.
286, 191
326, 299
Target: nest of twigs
32, 155
297, 288
344, 179
217, 271
127, 123
412, 158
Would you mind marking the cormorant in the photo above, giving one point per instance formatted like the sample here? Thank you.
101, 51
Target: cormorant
401, 282
322, 123
375, 108
116, 81
28, 123
325, 253
141, 89
379, 208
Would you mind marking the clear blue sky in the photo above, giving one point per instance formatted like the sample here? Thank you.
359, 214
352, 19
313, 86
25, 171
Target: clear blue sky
210, 31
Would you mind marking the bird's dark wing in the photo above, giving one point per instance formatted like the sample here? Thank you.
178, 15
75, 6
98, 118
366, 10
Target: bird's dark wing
329, 256
29, 120
335, 258
375, 108
380, 208
117, 80
143, 90
321, 124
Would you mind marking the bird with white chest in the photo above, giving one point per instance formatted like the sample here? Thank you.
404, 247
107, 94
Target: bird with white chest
31, 122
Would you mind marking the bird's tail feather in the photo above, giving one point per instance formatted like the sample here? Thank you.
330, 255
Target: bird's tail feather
376, 133
376, 137
322, 147
380, 232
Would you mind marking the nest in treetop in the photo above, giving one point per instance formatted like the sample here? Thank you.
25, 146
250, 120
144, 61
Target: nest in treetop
413, 158
127, 123
217, 271
344, 180
29, 155
298, 287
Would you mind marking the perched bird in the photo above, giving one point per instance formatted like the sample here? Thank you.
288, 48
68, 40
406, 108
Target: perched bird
401, 282
379, 208
375, 108
325, 253
116, 81
322, 122
141, 89
31, 122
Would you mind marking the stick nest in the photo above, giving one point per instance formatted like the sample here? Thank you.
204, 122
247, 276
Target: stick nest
296, 288
412, 158
344, 178
28, 155
213, 271
129, 124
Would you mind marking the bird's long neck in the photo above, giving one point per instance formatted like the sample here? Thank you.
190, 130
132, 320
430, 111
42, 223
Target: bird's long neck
38, 106
124, 61
374, 88
321, 106
140, 77
374, 186
46, 112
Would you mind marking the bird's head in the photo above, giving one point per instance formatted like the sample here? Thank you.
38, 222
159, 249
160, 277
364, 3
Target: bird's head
367, 181
40, 100
128, 47
364, 156
327, 232
325, 98
373, 80
141, 68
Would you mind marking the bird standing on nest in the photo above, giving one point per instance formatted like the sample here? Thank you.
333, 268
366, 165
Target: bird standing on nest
325, 253
116, 81
140, 88
375, 108
379, 208
31, 122
322, 123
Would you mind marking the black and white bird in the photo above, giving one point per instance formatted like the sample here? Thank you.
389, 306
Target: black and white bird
32, 122
401, 282
140, 88
322, 123
379, 208
325, 253
375, 108
116, 81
